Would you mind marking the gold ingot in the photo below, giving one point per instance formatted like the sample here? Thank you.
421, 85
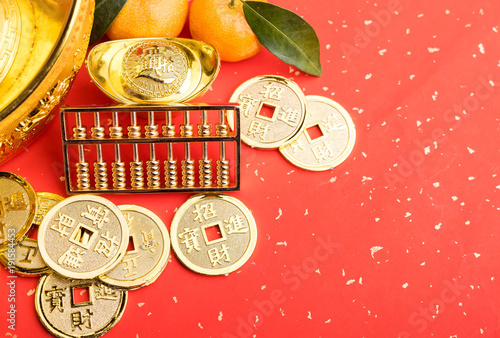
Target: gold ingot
42, 46
153, 71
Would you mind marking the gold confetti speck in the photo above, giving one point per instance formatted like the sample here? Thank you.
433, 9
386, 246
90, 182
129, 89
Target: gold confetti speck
30, 292
140, 304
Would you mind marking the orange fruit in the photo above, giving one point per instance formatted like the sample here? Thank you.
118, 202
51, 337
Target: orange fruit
224, 27
149, 19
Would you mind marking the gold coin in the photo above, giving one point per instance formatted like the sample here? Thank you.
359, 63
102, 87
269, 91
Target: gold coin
149, 249
26, 259
272, 111
327, 140
45, 202
78, 308
213, 234
17, 209
83, 237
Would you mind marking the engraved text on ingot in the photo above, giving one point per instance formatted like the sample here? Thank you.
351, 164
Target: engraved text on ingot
155, 69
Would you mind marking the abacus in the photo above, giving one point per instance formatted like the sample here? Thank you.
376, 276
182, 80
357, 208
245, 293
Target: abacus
111, 158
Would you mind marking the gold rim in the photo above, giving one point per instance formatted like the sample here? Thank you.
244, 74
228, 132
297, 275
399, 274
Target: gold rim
47, 66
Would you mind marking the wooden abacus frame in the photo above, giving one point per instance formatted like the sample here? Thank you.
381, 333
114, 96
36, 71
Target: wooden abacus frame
136, 179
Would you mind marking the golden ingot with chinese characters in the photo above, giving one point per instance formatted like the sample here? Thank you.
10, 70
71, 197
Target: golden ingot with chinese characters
148, 251
213, 234
154, 70
26, 259
83, 237
272, 111
78, 308
17, 209
327, 140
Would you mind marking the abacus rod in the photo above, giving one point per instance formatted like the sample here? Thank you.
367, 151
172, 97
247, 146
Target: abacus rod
133, 118
135, 152
117, 153
223, 151
204, 117
204, 151
78, 120
152, 152
168, 118
221, 117
151, 117
115, 119
170, 152
81, 155
97, 119
187, 151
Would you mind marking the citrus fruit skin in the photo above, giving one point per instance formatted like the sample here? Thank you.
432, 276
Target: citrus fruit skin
224, 27
149, 19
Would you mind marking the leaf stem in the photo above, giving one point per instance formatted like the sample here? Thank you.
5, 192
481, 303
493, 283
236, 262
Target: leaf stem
232, 3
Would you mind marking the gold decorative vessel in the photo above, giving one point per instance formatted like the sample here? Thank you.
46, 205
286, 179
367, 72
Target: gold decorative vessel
43, 44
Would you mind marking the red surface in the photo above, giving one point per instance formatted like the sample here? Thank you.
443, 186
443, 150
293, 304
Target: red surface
411, 216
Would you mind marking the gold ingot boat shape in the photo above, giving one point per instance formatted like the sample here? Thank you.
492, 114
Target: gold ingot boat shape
42, 46
153, 71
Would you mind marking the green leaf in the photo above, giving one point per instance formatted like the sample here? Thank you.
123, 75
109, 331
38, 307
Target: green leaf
104, 15
285, 34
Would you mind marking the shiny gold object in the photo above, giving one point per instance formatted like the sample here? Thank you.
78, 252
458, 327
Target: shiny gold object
83, 237
327, 140
42, 46
213, 234
17, 209
148, 253
26, 259
153, 71
272, 111
70, 308
200, 136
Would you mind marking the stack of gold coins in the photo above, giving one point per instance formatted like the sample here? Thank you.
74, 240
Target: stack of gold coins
312, 132
88, 252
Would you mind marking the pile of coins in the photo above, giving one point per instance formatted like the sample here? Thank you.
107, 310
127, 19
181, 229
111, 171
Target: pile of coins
311, 132
90, 252
95, 159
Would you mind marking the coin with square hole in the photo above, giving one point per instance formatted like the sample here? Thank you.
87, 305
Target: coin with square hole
17, 208
83, 237
272, 111
27, 258
327, 140
147, 252
78, 308
213, 234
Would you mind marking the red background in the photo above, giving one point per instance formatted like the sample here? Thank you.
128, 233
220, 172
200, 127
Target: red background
412, 215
